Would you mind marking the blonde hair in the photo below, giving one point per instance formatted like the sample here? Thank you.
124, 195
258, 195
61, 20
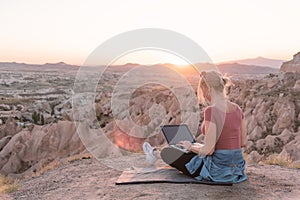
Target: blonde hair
215, 80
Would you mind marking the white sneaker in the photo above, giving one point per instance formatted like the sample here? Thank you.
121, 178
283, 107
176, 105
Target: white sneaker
148, 150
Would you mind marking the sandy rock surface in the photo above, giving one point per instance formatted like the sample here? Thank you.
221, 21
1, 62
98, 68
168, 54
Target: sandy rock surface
90, 179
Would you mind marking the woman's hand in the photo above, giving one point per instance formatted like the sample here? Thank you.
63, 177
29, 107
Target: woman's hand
185, 144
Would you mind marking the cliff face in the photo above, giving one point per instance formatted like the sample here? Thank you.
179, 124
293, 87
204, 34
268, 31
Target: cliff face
292, 65
272, 112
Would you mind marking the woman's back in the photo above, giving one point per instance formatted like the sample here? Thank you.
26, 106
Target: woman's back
228, 125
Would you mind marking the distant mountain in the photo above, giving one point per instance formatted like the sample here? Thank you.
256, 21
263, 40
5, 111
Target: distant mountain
236, 68
13, 66
259, 61
230, 68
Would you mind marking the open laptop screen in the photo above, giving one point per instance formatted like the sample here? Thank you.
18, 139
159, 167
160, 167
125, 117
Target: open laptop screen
176, 133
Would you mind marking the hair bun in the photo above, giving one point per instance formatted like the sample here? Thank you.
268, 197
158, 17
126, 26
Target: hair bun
227, 81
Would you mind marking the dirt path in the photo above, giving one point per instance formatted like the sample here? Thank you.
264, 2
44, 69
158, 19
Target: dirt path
90, 179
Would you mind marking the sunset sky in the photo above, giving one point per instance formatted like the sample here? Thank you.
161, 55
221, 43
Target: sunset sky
35, 31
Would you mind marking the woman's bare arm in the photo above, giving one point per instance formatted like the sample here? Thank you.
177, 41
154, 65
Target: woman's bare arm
209, 141
244, 133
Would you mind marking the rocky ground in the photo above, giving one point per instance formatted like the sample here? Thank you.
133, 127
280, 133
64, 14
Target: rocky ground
90, 179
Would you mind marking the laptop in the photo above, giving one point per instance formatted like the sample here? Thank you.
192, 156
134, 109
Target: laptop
176, 133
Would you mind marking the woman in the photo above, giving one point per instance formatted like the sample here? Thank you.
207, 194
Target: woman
220, 159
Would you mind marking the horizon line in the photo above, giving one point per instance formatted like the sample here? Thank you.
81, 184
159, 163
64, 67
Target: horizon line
231, 61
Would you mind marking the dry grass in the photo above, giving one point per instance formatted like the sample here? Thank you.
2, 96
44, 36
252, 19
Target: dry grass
57, 163
79, 157
50, 166
15, 101
296, 165
277, 160
8, 185
281, 161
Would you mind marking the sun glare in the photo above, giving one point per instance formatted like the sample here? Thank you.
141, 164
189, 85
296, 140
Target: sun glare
150, 57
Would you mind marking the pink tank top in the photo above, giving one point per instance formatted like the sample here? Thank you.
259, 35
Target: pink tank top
229, 136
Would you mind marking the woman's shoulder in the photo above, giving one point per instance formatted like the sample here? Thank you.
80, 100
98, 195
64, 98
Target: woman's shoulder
235, 106
237, 109
208, 109
232, 109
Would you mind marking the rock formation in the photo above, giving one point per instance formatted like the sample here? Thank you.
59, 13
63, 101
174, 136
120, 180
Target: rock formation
31, 149
272, 109
292, 65
10, 129
4, 141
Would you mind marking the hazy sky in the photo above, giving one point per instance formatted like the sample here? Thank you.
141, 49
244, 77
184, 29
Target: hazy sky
36, 31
